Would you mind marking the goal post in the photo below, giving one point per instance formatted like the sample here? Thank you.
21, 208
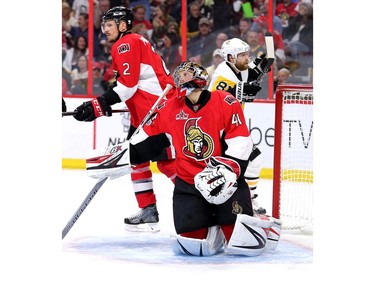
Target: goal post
293, 175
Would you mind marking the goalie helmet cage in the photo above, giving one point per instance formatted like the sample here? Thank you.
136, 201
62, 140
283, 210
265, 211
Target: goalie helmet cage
293, 157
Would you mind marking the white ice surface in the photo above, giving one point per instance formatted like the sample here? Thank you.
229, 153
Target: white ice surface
98, 246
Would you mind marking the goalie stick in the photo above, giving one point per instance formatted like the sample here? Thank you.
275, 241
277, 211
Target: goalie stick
72, 113
101, 181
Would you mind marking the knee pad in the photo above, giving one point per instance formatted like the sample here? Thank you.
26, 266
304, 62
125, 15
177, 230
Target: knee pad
249, 236
200, 247
168, 168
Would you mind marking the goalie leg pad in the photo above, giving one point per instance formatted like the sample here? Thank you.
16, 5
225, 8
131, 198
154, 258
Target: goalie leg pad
274, 234
200, 247
249, 236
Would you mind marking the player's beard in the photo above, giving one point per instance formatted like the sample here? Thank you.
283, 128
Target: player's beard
242, 66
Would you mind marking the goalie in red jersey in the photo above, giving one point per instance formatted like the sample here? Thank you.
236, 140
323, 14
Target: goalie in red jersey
212, 207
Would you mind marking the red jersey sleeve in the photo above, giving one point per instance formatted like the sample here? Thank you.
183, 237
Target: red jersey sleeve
237, 135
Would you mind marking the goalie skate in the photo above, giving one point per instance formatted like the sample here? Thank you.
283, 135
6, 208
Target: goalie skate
256, 208
146, 220
112, 163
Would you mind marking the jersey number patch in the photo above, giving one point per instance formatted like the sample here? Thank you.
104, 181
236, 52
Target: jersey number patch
236, 120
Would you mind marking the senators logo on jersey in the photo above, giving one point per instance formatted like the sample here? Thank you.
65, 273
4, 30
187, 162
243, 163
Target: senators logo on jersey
198, 144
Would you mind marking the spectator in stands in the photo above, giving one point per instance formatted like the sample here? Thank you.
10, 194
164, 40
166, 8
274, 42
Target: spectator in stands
174, 36
145, 3
67, 22
299, 33
263, 11
99, 10
160, 22
285, 10
174, 9
282, 77
223, 16
108, 74
243, 27
65, 44
217, 58
66, 78
141, 29
79, 77
221, 37
195, 59
82, 29
205, 8
257, 5
203, 44
65, 88
80, 48
99, 86
256, 49
262, 28
193, 17
139, 12
171, 52
80, 6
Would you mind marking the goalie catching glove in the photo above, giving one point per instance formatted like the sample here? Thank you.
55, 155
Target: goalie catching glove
218, 181
113, 162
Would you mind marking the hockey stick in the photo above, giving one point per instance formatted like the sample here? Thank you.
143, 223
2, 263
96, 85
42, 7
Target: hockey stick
101, 181
72, 113
83, 206
270, 54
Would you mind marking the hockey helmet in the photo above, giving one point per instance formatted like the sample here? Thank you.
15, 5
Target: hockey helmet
199, 76
118, 14
234, 47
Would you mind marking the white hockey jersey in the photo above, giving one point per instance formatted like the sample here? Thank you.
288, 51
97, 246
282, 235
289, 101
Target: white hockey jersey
225, 77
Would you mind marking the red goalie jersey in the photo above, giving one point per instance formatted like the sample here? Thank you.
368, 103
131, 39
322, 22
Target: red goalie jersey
215, 126
141, 75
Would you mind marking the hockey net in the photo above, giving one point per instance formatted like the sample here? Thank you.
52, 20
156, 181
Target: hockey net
293, 157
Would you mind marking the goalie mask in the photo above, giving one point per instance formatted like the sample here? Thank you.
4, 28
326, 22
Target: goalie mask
189, 76
234, 47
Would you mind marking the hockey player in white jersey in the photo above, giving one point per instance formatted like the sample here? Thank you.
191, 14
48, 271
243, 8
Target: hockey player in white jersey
238, 75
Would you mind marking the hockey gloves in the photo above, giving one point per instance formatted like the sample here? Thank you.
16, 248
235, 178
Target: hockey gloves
218, 181
246, 92
260, 66
90, 110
